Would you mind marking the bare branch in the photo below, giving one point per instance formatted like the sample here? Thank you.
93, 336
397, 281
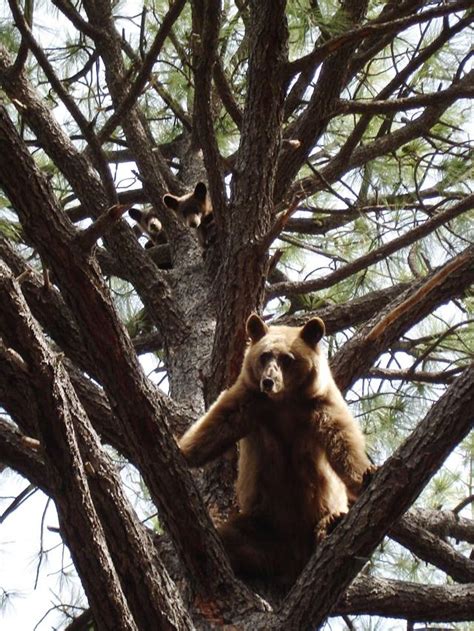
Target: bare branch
411, 533
357, 355
360, 32
409, 601
376, 255
144, 72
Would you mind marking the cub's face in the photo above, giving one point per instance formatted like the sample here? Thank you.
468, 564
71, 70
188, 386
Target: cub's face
148, 222
281, 360
192, 207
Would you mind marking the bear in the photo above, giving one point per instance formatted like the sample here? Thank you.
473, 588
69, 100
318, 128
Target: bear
196, 210
302, 456
149, 224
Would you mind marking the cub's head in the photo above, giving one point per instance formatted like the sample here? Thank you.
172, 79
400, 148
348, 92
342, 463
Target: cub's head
148, 223
282, 360
192, 207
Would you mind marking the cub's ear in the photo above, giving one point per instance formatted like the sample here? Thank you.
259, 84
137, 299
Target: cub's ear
256, 327
135, 213
171, 201
200, 191
313, 331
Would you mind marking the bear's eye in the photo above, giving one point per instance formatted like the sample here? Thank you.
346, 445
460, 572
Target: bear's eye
286, 359
265, 358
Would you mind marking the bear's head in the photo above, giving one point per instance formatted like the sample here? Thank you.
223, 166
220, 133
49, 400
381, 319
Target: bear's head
148, 223
192, 207
281, 360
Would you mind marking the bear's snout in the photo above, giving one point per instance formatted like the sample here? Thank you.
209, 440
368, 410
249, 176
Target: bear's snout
271, 379
267, 384
193, 221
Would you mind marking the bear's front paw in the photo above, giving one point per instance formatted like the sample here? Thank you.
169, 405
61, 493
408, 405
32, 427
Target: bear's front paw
368, 475
327, 524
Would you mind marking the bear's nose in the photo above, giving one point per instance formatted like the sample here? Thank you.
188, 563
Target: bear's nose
194, 221
267, 384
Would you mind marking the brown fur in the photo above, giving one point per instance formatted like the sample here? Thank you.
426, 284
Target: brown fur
302, 455
195, 209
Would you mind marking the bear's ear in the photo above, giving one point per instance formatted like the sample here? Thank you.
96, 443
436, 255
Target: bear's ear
256, 328
136, 214
200, 191
313, 331
171, 201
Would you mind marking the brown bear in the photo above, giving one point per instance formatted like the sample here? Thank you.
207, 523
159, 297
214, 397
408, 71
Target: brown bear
149, 224
196, 210
302, 455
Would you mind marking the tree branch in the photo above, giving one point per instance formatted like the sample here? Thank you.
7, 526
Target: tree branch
357, 355
64, 463
97, 153
409, 601
445, 523
377, 27
143, 75
376, 106
17, 452
411, 533
375, 256
68, 438
203, 119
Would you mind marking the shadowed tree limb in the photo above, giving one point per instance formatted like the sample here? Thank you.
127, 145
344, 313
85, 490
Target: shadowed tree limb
65, 466
409, 601
66, 436
85, 292
18, 453
445, 523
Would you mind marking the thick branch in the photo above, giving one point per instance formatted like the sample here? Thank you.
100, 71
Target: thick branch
251, 212
348, 314
64, 463
18, 452
376, 106
82, 286
205, 61
411, 533
409, 601
445, 523
149, 593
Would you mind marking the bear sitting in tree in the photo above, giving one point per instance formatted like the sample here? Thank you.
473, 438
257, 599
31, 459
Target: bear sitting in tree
302, 455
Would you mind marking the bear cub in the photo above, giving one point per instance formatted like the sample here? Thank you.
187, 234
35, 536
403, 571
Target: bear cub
302, 455
148, 224
196, 210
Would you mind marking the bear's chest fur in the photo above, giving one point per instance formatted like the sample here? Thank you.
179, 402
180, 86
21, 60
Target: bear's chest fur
283, 470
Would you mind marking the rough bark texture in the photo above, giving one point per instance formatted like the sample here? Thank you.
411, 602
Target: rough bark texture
289, 139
